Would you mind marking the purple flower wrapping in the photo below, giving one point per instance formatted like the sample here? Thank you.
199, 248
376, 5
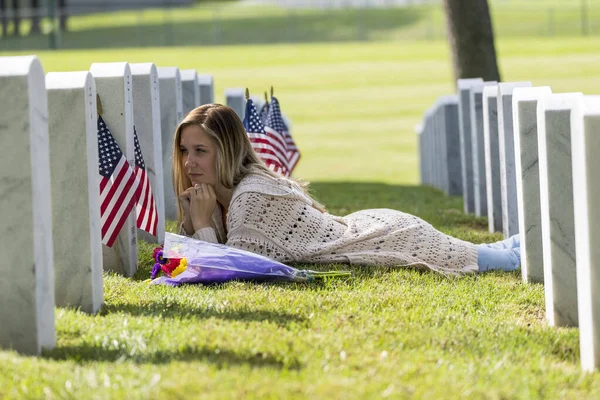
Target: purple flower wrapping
216, 263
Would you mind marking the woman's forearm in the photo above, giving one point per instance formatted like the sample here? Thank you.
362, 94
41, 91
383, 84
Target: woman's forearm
188, 226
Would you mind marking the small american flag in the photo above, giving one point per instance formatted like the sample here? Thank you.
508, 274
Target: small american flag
259, 139
147, 216
275, 121
264, 111
119, 187
273, 126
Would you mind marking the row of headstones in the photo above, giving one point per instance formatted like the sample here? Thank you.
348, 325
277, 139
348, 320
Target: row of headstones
49, 182
527, 159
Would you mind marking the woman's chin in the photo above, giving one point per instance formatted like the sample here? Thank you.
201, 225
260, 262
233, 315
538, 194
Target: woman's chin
195, 180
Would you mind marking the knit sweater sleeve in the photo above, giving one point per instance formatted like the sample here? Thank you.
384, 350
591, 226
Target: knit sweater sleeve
251, 228
207, 234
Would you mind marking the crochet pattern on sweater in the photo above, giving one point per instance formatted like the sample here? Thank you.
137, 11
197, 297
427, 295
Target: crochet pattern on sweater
274, 218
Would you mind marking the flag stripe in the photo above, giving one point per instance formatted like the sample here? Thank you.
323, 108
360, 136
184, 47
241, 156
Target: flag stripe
278, 132
148, 207
278, 145
139, 208
294, 158
118, 185
123, 205
262, 146
109, 197
269, 149
115, 228
152, 220
147, 215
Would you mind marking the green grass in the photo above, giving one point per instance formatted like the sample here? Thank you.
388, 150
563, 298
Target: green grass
383, 332
231, 23
354, 105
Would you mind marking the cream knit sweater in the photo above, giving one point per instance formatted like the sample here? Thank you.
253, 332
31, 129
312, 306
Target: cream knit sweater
273, 217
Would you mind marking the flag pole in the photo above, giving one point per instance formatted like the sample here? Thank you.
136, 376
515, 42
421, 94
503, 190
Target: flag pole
272, 90
99, 105
266, 100
247, 94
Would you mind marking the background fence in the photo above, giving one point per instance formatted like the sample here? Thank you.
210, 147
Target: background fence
277, 21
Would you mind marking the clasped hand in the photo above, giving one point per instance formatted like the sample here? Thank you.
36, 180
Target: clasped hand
198, 203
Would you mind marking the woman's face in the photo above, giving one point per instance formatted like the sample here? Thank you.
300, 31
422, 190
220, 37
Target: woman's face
198, 155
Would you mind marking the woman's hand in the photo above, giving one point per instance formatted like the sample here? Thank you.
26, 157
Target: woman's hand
203, 202
184, 201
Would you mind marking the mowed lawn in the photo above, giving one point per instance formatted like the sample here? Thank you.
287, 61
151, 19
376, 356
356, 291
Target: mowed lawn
384, 332
354, 106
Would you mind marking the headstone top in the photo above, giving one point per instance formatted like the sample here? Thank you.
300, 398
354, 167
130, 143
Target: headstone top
418, 129
560, 101
169, 72
189, 75
591, 105
19, 65
205, 79
68, 80
235, 92
143, 69
478, 87
467, 83
429, 112
490, 91
506, 88
453, 98
106, 70
530, 93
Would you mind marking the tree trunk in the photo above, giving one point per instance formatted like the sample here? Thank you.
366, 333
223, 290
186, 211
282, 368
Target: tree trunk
16, 18
62, 6
471, 39
35, 18
3, 18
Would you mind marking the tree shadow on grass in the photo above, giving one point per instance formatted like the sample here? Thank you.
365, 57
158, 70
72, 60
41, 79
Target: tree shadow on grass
222, 358
166, 308
292, 27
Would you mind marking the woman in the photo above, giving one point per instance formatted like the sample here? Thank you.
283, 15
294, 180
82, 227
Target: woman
227, 195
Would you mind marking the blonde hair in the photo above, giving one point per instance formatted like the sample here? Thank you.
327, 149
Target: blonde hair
235, 156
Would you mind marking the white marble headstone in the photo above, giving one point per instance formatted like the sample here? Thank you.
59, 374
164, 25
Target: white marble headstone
430, 150
478, 148
450, 129
525, 101
73, 130
556, 197
492, 158
190, 90
585, 147
171, 112
113, 85
466, 152
508, 183
206, 87
146, 115
442, 159
435, 145
236, 99
419, 131
27, 284
427, 132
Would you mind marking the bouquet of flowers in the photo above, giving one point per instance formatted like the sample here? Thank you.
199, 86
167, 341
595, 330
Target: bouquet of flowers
188, 260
